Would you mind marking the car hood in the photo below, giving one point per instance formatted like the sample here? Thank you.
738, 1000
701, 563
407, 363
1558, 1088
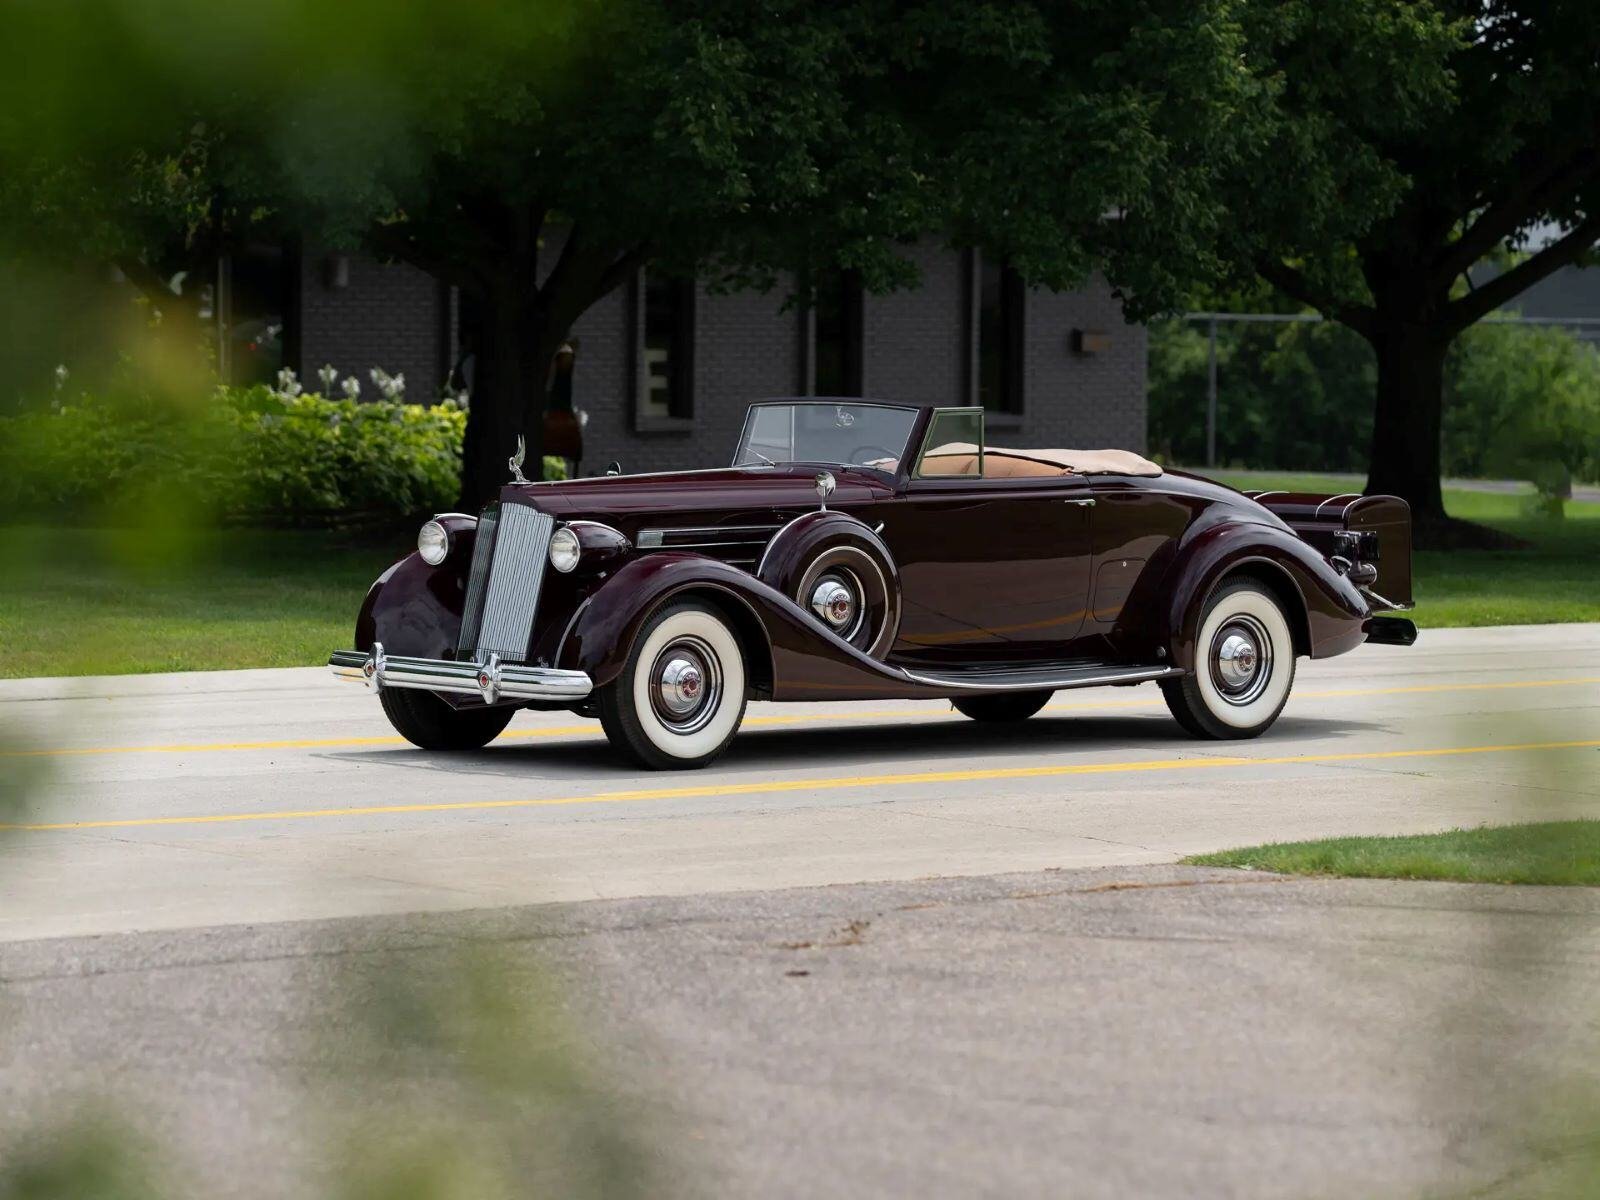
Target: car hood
729, 495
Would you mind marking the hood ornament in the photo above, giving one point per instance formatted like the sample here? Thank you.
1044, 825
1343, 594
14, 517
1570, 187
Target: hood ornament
515, 461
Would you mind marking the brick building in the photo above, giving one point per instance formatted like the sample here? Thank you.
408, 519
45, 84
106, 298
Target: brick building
665, 367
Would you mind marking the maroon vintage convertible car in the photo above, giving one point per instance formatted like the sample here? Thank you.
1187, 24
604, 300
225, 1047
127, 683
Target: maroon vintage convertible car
860, 550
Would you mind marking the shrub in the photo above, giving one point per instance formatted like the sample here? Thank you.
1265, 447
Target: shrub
245, 454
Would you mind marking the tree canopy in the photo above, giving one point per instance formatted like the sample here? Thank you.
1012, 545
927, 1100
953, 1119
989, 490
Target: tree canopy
1466, 165
536, 155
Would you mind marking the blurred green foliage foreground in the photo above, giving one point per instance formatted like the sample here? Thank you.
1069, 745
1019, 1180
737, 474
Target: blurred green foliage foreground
1544, 852
97, 601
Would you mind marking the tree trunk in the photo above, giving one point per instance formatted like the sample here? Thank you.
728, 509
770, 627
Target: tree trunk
1407, 420
517, 342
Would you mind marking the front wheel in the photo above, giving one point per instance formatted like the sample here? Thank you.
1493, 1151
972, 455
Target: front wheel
1243, 668
425, 720
681, 694
1002, 708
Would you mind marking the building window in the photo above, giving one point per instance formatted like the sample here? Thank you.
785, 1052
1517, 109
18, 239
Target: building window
666, 385
836, 335
255, 301
1000, 298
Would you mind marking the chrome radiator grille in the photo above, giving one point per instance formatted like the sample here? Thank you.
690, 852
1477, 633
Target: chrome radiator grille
477, 584
508, 565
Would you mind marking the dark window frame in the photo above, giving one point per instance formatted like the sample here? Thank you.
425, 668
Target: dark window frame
1008, 400
681, 355
847, 298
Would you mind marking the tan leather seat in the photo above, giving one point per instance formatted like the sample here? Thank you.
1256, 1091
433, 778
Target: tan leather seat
999, 462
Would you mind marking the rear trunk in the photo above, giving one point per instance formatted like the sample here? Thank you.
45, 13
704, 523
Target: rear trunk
1381, 529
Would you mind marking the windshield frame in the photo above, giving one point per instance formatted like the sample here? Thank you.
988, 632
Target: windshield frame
913, 431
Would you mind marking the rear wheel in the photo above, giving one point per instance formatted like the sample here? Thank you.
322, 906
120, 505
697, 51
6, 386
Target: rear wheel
1006, 706
681, 694
1243, 669
425, 720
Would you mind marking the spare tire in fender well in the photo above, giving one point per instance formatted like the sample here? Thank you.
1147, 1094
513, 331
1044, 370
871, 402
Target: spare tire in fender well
794, 551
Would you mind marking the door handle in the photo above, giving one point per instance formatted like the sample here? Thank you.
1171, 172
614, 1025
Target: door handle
1080, 503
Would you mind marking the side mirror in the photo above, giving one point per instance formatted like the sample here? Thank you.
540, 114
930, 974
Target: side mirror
825, 487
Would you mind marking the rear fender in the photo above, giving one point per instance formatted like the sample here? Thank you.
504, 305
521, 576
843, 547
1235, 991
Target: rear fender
1325, 610
795, 658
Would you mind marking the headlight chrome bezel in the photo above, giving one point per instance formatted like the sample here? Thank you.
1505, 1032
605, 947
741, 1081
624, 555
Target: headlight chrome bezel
566, 550
433, 542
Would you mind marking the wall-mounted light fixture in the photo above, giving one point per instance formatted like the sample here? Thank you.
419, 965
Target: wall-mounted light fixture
1089, 341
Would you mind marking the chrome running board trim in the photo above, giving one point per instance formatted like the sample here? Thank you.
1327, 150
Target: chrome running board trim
491, 681
1025, 681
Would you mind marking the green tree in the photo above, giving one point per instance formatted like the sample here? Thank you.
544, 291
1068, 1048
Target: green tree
537, 155
1462, 172
1291, 396
1523, 402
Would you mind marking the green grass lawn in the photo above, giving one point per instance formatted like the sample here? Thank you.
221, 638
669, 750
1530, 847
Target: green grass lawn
88, 602
1558, 579
1550, 852
79, 601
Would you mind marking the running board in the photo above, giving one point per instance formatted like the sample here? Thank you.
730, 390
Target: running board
1027, 679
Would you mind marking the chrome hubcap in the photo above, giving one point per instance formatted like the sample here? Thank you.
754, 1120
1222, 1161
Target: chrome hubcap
1241, 660
836, 599
1237, 660
685, 685
833, 602
681, 685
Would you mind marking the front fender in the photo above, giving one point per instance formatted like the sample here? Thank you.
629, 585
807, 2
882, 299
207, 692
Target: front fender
798, 658
415, 609
1331, 610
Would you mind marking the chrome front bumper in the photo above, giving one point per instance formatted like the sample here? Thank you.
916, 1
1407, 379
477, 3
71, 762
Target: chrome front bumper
492, 680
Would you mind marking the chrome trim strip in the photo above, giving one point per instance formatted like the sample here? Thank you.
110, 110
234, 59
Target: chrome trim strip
1330, 500
669, 531
571, 625
463, 516
1260, 496
1385, 604
507, 681
1058, 683
732, 544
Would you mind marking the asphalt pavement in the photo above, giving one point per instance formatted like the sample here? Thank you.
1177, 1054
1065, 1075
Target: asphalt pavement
1111, 1032
255, 796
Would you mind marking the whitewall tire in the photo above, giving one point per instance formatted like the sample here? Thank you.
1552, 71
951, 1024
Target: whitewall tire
681, 694
1244, 663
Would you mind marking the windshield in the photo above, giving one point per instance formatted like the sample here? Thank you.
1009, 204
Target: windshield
869, 435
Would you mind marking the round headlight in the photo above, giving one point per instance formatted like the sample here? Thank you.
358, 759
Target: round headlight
564, 550
433, 543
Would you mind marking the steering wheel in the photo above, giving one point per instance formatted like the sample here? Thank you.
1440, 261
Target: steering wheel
875, 453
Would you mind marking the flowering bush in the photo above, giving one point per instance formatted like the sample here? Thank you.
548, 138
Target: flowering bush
253, 454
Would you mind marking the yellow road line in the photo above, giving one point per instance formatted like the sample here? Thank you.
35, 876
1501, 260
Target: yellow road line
797, 719
767, 787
